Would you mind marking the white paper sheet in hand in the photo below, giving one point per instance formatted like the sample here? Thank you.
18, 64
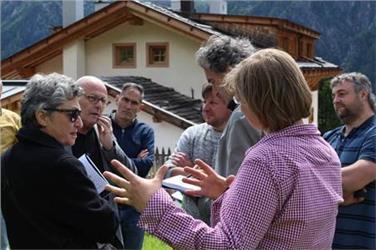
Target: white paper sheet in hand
93, 173
176, 183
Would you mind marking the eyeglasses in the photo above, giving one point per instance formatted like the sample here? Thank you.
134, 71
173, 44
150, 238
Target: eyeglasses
73, 114
95, 99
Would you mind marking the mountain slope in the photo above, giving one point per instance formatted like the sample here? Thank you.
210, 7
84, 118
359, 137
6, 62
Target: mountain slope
348, 28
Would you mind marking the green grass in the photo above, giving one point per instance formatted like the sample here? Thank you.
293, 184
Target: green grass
153, 243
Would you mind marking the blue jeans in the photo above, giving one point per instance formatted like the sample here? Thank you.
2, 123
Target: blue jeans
133, 235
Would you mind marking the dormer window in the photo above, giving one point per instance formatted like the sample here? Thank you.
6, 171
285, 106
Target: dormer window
124, 55
157, 55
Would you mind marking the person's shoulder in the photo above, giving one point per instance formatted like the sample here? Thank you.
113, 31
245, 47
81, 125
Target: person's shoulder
332, 132
10, 114
67, 162
197, 127
236, 114
139, 125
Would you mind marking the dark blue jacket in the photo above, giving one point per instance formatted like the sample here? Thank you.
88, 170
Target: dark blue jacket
134, 138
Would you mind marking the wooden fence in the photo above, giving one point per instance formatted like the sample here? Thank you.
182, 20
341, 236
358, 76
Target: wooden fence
160, 156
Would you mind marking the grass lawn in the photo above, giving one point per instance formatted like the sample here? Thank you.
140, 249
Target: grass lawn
153, 243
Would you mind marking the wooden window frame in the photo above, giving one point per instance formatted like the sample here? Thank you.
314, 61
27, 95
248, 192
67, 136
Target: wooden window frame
116, 57
164, 64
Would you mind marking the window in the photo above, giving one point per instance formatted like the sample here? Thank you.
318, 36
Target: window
309, 50
157, 55
124, 55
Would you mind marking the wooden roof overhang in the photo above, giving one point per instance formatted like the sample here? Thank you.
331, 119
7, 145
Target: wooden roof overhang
257, 20
23, 63
314, 76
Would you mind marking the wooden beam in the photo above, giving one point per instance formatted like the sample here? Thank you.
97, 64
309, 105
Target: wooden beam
26, 72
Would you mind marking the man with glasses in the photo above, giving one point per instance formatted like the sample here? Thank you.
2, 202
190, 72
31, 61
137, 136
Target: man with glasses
95, 137
355, 144
137, 140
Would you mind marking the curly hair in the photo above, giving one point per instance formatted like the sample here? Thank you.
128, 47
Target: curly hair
221, 53
46, 91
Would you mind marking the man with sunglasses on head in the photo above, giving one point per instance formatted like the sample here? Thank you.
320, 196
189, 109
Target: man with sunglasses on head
136, 138
95, 137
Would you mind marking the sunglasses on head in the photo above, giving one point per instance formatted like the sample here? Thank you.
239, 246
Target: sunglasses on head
72, 114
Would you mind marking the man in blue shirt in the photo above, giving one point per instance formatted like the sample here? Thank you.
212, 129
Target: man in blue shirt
137, 140
355, 143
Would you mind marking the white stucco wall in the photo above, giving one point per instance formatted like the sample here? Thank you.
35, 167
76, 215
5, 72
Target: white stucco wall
74, 59
166, 134
315, 105
53, 65
182, 74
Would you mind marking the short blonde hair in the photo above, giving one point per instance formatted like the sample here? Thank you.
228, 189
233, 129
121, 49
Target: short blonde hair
272, 85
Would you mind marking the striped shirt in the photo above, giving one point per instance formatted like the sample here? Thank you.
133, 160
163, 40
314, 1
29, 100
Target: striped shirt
285, 196
356, 223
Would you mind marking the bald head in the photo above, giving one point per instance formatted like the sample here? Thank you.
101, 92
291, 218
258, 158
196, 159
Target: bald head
92, 102
88, 83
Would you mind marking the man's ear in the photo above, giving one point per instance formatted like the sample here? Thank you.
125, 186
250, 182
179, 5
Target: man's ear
141, 108
117, 98
364, 95
41, 117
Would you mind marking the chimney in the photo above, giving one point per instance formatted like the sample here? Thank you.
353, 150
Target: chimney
185, 7
99, 4
72, 11
218, 6
175, 5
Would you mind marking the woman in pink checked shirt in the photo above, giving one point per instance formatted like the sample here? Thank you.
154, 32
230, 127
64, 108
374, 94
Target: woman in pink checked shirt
286, 193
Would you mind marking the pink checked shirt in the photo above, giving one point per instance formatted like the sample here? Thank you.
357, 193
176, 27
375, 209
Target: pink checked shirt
285, 196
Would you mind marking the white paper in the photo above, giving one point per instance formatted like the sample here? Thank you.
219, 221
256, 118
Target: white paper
177, 196
176, 183
93, 173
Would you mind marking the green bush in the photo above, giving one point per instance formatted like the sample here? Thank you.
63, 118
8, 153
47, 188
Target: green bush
327, 118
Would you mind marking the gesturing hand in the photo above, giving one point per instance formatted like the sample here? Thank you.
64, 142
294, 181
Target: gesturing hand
105, 132
180, 159
212, 184
133, 190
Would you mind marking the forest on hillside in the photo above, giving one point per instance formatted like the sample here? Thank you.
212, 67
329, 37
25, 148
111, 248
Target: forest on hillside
348, 28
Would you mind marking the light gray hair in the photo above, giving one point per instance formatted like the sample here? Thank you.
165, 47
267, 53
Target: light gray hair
221, 53
360, 82
46, 92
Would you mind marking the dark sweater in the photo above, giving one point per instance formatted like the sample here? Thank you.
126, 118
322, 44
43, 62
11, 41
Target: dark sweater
48, 200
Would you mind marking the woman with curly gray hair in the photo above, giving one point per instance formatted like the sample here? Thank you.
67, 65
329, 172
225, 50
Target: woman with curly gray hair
71, 214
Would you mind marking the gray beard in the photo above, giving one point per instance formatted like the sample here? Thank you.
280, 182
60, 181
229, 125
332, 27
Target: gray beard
347, 116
